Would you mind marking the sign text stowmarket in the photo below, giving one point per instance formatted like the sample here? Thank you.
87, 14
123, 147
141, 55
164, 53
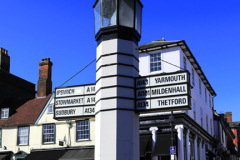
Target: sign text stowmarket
163, 92
74, 101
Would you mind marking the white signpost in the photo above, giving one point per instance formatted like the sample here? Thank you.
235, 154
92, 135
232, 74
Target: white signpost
164, 92
74, 101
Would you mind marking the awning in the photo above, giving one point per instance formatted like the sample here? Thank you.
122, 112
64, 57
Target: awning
3, 156
20, 155
6, 155
162, 146
46, 155
144, 140
81, 154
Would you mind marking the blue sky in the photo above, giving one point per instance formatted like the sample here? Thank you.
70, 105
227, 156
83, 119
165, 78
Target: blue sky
64, 31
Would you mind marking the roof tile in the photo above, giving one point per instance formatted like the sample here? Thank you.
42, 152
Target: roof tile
27, 113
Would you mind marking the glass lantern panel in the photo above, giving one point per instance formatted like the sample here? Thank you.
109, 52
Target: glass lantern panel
97, 17
138, 18
108, 13
126, 13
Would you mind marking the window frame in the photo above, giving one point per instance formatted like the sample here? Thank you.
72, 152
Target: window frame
210, 103
80, 140
205, 95
153, 55
46, 143
193, 78
0, 137
27, 135
207, 123
184, 62
211, 126
194, 111
4, 113
200, 87
52, 108
201, 116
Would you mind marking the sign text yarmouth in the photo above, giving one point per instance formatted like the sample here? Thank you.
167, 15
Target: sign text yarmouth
163, 92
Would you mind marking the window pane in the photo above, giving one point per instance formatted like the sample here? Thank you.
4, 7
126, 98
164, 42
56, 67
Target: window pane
23, 135
97, 17
83, 130
138, 18
108, 13
126, 13
155, 64
48, 133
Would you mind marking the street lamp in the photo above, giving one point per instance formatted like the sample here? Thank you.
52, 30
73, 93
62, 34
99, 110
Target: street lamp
118, 17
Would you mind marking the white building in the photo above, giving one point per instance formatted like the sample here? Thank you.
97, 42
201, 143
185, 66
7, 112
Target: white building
193, 134
28, 128
196, 129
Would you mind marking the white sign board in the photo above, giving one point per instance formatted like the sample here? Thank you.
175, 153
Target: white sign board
75, 91
74, 101
163, 92
163, 103
74, 111
165, 79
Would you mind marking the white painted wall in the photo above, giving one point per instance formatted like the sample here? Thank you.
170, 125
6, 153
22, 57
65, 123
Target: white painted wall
9, 134
175, 56
171, 55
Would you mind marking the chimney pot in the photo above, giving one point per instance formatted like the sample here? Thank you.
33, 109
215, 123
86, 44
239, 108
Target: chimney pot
228, 116
45, 78
4, 60
2, 50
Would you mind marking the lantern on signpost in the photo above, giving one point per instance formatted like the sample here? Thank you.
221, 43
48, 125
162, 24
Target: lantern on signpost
118, 16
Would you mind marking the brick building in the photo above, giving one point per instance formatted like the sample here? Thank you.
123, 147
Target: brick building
11, 86
19, 106
235, 127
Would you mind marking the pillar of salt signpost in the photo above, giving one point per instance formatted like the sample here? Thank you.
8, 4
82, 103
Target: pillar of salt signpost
117, 32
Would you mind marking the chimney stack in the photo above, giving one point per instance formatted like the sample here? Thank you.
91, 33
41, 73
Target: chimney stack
4, 60
228, 116
45, 80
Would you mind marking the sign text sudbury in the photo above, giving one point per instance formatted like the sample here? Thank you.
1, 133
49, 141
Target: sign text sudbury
75, 101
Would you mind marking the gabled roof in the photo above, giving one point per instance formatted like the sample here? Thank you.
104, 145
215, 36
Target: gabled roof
25, 113
160, 44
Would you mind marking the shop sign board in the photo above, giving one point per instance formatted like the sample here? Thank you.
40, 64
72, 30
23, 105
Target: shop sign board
74, 101
163, 92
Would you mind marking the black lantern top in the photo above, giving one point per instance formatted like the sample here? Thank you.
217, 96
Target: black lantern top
118, 16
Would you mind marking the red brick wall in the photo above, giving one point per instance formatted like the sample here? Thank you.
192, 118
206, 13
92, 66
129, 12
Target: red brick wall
228, 116
236, 139
45, 78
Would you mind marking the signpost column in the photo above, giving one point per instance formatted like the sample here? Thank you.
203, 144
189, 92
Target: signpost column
117, 32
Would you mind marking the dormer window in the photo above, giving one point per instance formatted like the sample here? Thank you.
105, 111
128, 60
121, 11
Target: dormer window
5, 113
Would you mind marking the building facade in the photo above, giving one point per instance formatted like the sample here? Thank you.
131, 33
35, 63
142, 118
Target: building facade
29, 130
28, 127
193, 128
